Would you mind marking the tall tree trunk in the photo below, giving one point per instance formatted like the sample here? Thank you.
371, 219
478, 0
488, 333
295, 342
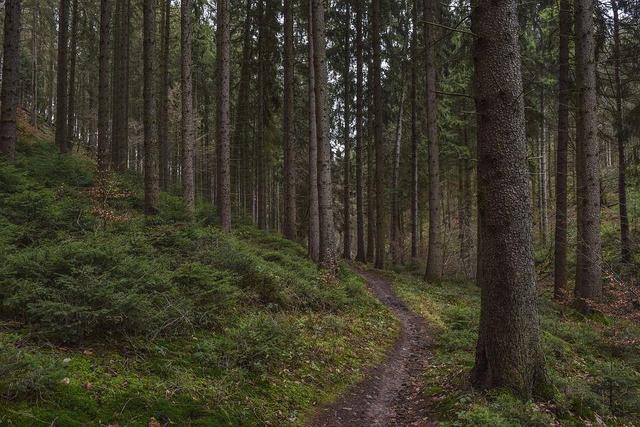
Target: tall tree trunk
103, 86
414, 131
187, 121
10, 78
360, 247
434, 255
396, 240
34, 62
508, 352
289, 193
261, 176
625, 250
328, 259
224, 148
588, 262
241, 138
61, 93
560, 249
151, 179
371, 195
120, 101
377, 134
544, 183
347, 138
163, 98
314, 218
71, 113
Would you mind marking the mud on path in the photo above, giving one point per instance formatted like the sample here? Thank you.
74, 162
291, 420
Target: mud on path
391, 393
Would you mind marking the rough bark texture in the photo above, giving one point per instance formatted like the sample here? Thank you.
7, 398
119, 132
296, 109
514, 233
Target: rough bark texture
588, 255
347, 138
371, 194
72, 75
151, 179
163, 95
289, 185
325, 186
224, 147
625, 244
260, 167
396, 237
377, 135
314, 218
10, 78
434, 254
560, 248
360, 247
103, 86
61, 92
414, 130
187, 124
508, 352
34, 61
120, 101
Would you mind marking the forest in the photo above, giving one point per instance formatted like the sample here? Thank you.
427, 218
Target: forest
320, 213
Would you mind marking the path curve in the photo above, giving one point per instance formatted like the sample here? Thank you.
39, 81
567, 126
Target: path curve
391, 393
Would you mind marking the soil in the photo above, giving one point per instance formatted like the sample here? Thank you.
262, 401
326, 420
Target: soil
391, 393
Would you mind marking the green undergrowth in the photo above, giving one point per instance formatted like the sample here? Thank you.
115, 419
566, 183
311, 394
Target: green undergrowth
110, 318
593, 363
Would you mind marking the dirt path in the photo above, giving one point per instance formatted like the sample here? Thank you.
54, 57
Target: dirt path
390, 394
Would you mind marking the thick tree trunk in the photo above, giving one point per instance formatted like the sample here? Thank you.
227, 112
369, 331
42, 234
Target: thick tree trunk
71, 114
314, 218
120, 101
434, 254
163, 98
260, 166
347, 138
10, 78
187, 122
378, 138
560, 249
61, 93
103, 86
396, 239
508, 352
151, 179
360, 247
224, 147
34, 61
414, 131
289, 226
328, 259
588, 255
625, 244
371, 194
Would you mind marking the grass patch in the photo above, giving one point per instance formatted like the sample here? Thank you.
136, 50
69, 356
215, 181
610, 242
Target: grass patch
594, 363
108, 317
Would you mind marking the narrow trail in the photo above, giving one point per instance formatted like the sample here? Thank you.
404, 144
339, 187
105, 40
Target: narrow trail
390, 394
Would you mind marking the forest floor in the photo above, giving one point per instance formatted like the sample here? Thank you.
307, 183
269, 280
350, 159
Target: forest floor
392, 392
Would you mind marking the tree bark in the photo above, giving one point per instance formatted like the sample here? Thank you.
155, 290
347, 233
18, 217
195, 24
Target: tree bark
72, 75
187, 123
10, 78
34, 62
371, 195
625, 244
163, 98
261, 176
414, 131
560, 249
224, 148
588, 261
396, 239
61, 92
151, 178
360, 247
434, 255
314, 218
120, 101
347, 139
377, 134
103, 86
328, 259
508, 352
289, 188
